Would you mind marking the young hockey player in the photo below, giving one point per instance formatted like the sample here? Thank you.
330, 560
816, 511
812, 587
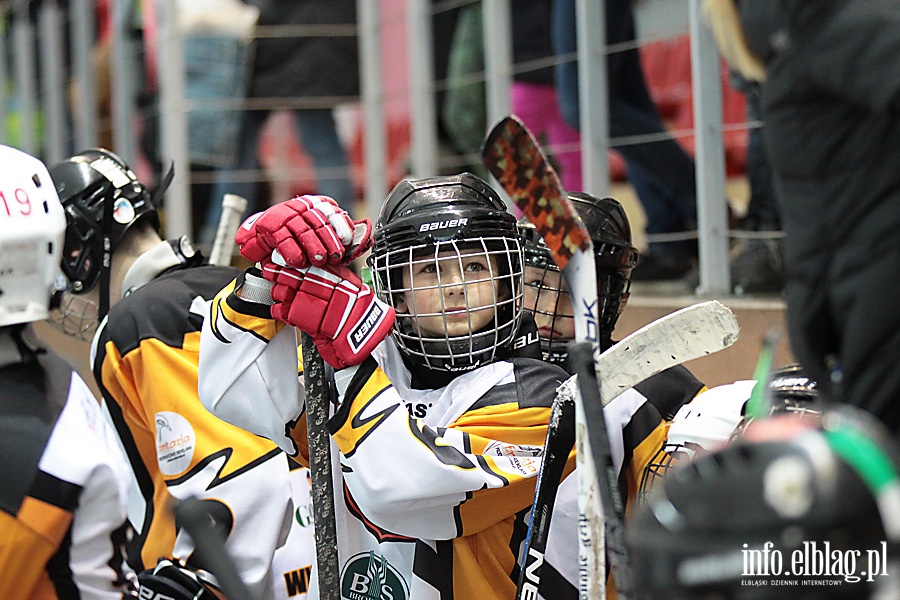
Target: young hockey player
144, 358
636, 426
64, 481
548, 299
440, 424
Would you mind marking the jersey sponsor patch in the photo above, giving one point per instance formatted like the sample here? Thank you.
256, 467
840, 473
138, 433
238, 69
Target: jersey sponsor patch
175, 442
521, 459
368, 576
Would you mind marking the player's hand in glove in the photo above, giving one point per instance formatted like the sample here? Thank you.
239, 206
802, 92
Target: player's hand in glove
306, 230
334, 306
169, 579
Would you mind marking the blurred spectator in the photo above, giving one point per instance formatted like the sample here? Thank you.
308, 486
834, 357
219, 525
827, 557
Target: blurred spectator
533, 94
534, 97
661, 172
831, 101
756, 266
319, 68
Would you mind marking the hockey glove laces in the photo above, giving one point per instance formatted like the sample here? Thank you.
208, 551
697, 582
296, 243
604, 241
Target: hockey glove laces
334, 306
306, 230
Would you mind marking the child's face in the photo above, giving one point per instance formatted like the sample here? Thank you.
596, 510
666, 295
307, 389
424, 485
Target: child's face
452, 295
547, 297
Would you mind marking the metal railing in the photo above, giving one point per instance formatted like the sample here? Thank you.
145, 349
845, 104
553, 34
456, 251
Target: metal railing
39, 119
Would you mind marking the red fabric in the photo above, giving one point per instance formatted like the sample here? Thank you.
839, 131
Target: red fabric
667, 68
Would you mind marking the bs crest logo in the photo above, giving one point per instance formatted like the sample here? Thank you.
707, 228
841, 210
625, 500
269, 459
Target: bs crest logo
368, 576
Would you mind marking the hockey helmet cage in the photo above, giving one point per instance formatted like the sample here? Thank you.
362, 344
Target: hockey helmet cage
424, 218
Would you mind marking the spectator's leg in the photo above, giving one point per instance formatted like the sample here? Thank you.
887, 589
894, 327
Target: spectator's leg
248, 159
565, 73
319, 137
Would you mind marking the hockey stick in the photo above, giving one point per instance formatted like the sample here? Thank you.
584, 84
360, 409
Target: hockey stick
315, 382
557, 445
233, 207
759, 405
209, 541
687, 334
515, 159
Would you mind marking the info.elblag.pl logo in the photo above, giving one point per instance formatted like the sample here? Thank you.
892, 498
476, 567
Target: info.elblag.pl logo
813, 563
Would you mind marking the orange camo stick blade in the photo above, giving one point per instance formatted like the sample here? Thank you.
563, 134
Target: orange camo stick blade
515, 159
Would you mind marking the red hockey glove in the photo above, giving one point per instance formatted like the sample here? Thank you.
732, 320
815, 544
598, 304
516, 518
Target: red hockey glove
335, 307
305, 230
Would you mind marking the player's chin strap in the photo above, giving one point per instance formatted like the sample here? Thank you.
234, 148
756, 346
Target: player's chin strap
106, 252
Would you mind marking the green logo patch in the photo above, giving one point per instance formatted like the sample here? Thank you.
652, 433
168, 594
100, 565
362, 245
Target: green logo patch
367, 576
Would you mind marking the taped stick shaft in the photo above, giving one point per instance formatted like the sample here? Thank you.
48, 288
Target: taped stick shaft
316, 392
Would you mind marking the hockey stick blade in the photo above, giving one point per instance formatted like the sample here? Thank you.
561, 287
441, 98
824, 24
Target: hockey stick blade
687, 334
514, 157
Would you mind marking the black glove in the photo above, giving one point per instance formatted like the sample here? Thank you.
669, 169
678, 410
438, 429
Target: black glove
171, 580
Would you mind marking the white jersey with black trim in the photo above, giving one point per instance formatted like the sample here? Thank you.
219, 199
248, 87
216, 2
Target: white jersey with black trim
432, 486
98, 466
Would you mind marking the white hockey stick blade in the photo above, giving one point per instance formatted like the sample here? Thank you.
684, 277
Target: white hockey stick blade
687, 334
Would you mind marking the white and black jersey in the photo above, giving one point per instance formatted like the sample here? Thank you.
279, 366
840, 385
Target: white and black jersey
433, 485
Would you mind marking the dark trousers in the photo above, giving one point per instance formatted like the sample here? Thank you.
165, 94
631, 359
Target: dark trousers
661, 172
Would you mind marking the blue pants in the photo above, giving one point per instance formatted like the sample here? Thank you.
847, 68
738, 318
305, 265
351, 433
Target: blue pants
661, 172
318, 134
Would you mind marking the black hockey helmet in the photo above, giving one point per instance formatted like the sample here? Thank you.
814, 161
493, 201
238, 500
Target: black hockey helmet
102, 199
614, 257
793, 387
745, 522
422, 218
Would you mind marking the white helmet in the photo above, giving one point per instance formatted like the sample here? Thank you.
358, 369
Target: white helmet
705, 423
32, 225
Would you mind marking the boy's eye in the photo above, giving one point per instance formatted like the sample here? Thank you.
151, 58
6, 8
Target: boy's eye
475, 267
429, 268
